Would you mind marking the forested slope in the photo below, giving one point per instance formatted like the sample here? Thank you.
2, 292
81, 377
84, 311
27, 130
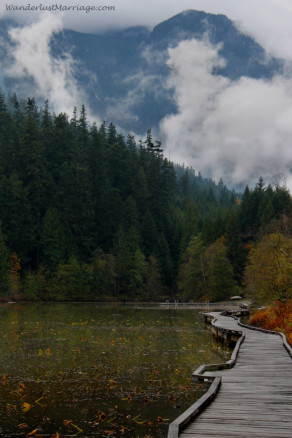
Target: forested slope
89, 215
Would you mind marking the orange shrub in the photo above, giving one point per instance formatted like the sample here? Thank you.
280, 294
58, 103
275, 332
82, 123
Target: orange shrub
259, 318
277, 317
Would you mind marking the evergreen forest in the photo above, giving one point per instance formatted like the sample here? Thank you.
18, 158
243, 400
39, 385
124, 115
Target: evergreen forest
88, 214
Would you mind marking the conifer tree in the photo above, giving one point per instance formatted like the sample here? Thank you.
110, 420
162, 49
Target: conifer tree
4, 267
219, 272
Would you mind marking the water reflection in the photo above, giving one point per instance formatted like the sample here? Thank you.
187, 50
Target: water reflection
99, 370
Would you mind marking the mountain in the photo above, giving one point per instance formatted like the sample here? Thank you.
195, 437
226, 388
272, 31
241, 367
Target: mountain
123, 73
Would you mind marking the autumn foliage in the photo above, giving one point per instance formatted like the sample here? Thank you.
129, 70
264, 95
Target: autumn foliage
276, 317
269, 282
269, 274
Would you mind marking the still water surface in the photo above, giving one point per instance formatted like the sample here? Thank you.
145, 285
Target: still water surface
91, 370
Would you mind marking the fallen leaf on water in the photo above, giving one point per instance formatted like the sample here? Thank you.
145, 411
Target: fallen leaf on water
41, 398
141, 421
23, 426
40, 352
67, 422
48, 352
33, 432
128, 398
4, 379
113, 384
171, 398
56, 435
146, 400
124, 429
101, 416
161, 420
77, 428
26, 407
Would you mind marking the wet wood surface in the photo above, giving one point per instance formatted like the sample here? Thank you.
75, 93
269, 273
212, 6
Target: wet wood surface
255, 397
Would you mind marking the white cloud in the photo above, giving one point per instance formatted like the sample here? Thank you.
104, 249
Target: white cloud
235, 130
138, 84
31, 58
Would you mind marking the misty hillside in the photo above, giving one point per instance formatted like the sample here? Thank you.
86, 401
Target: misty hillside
87, 215
124, 73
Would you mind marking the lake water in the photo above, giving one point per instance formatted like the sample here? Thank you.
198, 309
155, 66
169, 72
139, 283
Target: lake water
92, 370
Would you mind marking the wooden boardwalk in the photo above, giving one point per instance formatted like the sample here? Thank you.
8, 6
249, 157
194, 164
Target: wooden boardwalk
255, 397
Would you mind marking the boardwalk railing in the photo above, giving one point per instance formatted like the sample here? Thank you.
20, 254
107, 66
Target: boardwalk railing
229, 336
259, 329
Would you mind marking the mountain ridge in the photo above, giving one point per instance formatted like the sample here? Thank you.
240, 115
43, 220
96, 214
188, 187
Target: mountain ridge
123, 72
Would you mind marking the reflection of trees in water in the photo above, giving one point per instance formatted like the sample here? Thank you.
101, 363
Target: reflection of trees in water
78, 361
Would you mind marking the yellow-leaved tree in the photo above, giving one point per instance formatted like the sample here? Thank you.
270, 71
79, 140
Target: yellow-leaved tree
269, 274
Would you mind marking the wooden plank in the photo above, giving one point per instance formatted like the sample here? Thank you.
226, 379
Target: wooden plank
255, 399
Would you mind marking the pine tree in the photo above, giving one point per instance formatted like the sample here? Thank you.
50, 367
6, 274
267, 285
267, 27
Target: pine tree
4, 267
219, 272
192, 281
53, 243
104, 276
153, 279
236, 251
17, 220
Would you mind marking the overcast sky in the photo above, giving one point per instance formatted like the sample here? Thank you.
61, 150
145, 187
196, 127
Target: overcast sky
237, 130
269, 21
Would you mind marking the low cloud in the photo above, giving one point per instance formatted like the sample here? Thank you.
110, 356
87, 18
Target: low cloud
237, 130
124, 109
31, 59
